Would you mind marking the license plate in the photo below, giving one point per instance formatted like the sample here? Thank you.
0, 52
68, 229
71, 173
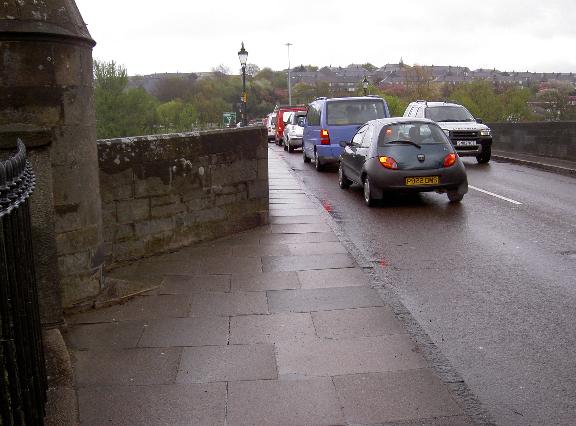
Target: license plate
465, 143
424, 180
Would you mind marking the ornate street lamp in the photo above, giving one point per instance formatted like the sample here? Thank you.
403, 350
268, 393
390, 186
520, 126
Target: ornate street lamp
243, 56
365, 84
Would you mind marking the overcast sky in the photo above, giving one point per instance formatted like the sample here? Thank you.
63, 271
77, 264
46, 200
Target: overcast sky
189, 35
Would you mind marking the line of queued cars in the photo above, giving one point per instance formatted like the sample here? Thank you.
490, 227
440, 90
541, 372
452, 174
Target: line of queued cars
419, 152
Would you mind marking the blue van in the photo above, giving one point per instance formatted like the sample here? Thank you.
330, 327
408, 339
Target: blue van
330, 121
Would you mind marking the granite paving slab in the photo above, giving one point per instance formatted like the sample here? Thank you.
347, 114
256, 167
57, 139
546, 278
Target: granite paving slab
283, 220
350, 356
196, 331
292, 327
187, 284
303, 263
306, 249
273, 402
139, 308
227, 363
265, 281
108, 335
322, 299
182, 404
291, 212
349, 277
394, 396
126, 366
257, 250
304, 228
224, 265
298, 238
351, 323
228, 304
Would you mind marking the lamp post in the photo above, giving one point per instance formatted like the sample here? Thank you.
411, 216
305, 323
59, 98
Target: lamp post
243, 56
289, 82
365, 84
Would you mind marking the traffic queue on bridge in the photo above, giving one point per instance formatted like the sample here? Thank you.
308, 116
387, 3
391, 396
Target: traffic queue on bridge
419, 152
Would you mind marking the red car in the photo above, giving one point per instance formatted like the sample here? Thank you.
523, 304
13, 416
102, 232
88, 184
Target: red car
282, 114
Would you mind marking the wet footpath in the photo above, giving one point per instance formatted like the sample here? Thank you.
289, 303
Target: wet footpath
274, 326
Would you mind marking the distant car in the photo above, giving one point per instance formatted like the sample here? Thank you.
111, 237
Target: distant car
331, 120
404, 155
469, 135
271, 126
294, 130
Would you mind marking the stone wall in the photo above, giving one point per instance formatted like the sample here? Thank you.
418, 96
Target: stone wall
160, 193
550, 139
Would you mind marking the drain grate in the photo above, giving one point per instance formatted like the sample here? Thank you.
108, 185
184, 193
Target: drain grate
569, 253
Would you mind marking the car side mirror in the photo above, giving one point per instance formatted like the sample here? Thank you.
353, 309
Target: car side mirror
479, 121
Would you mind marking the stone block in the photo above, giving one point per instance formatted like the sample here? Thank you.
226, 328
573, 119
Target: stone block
114, 335
133, 210
164, 200
126, 250
151, 186
167, 210
79, 287
79, 240
258, 189
200, 331
239, 171
66, 221
201, 203
325, 299
118, 232
74, 263
263, 170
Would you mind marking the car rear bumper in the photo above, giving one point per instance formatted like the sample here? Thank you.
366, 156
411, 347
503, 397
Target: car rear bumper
329, 153
450, 178
295, 142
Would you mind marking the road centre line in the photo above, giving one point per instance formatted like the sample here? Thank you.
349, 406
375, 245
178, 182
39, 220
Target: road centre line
496, 195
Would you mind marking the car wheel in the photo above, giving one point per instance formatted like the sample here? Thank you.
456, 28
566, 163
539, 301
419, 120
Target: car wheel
304, 156
368, 197
343, 181
317, 164
484, 157
286, 146
290, 148
454, 196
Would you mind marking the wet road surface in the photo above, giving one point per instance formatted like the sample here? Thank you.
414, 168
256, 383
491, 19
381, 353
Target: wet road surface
492, 280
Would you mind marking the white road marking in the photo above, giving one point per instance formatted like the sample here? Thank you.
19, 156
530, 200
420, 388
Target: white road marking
496, 195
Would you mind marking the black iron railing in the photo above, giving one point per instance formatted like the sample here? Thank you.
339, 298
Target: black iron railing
22, 369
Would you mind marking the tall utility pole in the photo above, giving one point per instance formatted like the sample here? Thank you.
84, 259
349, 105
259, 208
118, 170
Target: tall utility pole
289, 82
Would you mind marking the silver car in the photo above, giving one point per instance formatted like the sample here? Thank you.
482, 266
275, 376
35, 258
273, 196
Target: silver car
294, 130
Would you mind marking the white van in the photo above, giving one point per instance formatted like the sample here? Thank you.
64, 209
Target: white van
271, 126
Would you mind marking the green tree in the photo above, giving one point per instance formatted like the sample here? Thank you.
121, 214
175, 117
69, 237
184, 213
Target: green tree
177, 116
120, 111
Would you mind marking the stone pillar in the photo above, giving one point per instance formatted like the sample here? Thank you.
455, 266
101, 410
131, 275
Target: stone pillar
46, 100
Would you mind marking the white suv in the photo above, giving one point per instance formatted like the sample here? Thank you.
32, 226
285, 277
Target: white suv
470, 137
294, 130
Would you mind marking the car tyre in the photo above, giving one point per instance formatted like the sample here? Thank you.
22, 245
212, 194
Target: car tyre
290, 148
368, 193
484, 156
455, 196
343, 181
285, 147
304, 156
317, 164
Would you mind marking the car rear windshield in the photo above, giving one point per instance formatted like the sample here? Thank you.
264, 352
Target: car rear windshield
448, 113
419, 133
342, 113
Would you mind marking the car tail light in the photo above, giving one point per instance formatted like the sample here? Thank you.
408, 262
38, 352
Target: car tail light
450, 159
324, 137
388, 162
